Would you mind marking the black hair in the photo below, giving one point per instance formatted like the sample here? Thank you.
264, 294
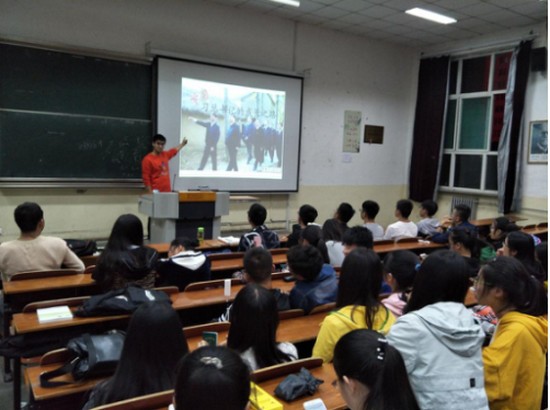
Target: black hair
541, 252
467, 238
307, 213
442, 277
463, 211
159, 137
214, 378
365, 356
27, 216
402, 266
524, 246
522, 291
345, 212
405, 207
504, 224
184, 241
306, 261
370, 208
360, 282
313, 234
359, 236
430, 207
127, 231
254, 320
153, 346
258, 264
257, 214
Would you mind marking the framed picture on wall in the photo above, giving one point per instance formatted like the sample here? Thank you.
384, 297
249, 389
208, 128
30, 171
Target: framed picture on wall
538, 142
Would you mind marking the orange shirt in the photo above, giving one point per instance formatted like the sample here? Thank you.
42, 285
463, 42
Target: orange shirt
155, 171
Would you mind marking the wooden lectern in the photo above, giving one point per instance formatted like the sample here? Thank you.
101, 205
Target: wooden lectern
176, 214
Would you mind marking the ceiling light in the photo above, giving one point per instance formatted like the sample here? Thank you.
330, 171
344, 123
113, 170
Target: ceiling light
293, 3
430, 15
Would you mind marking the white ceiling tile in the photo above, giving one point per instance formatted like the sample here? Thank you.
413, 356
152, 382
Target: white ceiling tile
479, 9
307, 6
355, 18
330, 12
510, 3
352, 5
454, 4
538, 10
378, 11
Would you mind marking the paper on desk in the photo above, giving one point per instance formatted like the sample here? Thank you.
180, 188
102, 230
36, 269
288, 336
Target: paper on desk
54, 313
230, 240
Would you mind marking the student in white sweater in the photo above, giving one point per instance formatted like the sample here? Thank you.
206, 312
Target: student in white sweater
32, 251
403, 227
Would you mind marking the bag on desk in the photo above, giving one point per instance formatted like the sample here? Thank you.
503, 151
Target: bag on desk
120, 301
82, 247
297, 385
94, 355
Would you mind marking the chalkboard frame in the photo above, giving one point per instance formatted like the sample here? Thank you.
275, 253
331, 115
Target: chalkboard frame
112, 180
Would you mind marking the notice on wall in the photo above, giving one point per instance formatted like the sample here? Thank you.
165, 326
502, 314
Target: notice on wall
352, 131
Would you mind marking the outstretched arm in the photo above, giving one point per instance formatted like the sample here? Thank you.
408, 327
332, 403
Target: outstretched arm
182, 144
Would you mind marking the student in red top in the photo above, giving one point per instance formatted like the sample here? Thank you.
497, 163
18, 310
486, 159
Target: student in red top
154, 167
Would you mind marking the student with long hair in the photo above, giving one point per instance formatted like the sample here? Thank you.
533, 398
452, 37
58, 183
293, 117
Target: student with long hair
514, 361
399, 273
357, 303
439, 339
465, 243
371, 373
153, 346
125, 260
522, 247
253, 331
213, 378
500, 227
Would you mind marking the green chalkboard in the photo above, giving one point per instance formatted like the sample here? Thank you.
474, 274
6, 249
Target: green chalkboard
72, 117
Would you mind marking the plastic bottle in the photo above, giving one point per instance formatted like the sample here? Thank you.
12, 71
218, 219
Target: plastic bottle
200, 235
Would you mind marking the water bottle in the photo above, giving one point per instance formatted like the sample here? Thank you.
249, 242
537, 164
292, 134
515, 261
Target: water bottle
200, 235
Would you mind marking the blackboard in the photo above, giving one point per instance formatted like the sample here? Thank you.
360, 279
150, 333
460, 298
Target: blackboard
72, 117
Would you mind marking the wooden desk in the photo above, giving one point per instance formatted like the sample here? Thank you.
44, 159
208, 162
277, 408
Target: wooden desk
328, 393
81, 280
489, 221
407, 246
542, 233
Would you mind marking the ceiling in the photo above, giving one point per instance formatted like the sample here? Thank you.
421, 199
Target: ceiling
386, 20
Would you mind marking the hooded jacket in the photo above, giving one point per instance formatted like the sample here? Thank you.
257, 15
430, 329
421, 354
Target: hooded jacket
342, 321
308, 294
441, 347
515, 362
184, 268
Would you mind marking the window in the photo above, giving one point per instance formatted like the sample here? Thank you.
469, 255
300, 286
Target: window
475, 111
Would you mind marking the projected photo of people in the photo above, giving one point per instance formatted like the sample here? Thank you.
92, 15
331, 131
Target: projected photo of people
232, 130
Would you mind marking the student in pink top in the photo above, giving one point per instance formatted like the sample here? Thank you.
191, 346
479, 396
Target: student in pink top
399, 272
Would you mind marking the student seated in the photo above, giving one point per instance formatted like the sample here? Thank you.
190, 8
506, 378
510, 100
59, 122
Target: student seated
369, 210
514, 362
439, 339
213, 378
353, 238
258, 266
313, 235
260, 236
254, 321
334, 228
399, 272
183, 266
32, 250
371, 373
306, 215
500, 227
153, 346
357, 302
428, 225
521, 246
316, 282
125, 260
403, 227
465, 243
459, 219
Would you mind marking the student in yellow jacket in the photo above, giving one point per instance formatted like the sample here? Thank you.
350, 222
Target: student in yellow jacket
357, 303
514, 362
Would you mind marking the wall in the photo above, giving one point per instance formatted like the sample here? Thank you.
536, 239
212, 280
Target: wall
344, 73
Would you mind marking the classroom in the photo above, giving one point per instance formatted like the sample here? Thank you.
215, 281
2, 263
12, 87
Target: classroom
342, 72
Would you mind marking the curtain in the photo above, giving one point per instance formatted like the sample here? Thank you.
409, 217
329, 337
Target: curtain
510, 151
428, 126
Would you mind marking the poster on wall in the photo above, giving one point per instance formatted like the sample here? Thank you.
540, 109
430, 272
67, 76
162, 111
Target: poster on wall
538, 142
352, 131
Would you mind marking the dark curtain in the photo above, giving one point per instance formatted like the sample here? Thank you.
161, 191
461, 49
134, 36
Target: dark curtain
428, 126
509, 192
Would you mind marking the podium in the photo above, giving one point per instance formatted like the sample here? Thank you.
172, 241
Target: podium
177, 214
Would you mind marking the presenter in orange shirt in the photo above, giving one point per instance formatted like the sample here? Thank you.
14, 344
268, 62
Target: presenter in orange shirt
154, 166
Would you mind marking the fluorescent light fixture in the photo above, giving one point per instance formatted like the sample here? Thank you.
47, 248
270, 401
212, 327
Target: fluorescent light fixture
293, 3
430, 15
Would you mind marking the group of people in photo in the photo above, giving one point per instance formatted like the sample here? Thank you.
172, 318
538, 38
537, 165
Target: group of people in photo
399, 334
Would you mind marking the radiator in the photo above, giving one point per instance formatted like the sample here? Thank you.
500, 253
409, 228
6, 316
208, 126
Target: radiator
471, 202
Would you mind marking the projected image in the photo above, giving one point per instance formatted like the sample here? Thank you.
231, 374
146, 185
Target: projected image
232, 130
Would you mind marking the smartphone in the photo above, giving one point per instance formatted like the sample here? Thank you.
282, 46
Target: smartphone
211, 338
289, 278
